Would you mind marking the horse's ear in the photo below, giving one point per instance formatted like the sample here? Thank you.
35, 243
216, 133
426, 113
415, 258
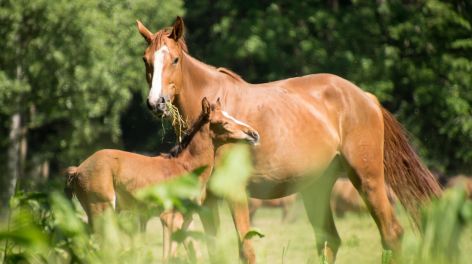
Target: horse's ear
177, 29
218, 104
205, 106
147, 35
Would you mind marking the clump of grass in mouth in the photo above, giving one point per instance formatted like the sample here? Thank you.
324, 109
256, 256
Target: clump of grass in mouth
178, 123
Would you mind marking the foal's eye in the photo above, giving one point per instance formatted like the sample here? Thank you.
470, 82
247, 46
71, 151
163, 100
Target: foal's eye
176, 60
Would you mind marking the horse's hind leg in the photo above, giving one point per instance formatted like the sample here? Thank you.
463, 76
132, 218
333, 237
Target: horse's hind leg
317, 205
365, 158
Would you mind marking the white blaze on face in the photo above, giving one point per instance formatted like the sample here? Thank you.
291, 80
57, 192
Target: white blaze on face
156, 87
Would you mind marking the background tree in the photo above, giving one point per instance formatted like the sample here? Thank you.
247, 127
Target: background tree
67, 72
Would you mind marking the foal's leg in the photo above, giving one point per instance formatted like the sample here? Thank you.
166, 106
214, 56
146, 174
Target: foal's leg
317, 205
240, 213
170, 221
367, 174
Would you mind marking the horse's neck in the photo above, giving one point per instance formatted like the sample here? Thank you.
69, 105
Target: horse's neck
201, 80
199, 152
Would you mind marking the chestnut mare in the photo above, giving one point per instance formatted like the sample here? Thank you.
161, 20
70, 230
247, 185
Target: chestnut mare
312, 127
108, 177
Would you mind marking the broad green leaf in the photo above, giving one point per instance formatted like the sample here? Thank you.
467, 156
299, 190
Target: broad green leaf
231, 174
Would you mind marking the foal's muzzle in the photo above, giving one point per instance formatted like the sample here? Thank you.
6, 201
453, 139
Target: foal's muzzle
253, 137
158, 108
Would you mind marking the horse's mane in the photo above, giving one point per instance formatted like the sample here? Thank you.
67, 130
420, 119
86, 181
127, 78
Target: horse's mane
230, 73
188, 135
158, 39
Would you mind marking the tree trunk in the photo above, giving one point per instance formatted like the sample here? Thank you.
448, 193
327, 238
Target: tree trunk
13, 167
17, 147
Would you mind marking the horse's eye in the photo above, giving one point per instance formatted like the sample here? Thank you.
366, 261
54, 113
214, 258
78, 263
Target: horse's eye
176, 60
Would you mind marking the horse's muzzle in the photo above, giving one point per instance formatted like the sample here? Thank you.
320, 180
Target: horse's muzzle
158, 108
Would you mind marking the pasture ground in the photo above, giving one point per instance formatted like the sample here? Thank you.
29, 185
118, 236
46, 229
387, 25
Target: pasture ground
294, 242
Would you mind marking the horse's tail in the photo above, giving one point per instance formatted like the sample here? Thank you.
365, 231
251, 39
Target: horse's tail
410, 180
71, 179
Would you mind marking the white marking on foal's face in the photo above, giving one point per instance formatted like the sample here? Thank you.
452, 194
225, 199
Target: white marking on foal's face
234, 119
239, 123
156, 87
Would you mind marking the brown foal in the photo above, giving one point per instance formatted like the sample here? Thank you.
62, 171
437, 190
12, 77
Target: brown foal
108, 176
313, 128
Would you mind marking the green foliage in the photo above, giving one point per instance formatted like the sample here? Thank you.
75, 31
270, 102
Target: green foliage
170, 193
230, 177
442, 226
386, 256
254, 232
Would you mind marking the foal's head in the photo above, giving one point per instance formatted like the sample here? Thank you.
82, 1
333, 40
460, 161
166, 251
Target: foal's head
223, 128
162, 59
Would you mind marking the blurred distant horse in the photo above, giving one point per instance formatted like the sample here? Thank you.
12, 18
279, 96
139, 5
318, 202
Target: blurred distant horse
312, 128
107, 178
286, 203
461, 181
345, 198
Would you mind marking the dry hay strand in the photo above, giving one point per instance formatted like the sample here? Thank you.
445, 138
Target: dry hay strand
178, 123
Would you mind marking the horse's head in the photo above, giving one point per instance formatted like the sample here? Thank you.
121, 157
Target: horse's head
224, 128
162, 59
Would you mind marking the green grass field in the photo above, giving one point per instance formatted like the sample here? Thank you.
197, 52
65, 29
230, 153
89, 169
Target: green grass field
294, 242
119, 241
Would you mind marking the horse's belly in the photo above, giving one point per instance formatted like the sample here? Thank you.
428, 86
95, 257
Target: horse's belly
271, 190
277, 183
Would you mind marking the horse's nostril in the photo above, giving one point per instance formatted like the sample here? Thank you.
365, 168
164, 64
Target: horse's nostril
161, 100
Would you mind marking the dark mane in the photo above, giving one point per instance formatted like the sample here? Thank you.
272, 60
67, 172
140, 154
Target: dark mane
188, 135
159, 36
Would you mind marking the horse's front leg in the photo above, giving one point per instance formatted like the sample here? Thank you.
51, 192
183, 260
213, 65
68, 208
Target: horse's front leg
240, 213
210, 218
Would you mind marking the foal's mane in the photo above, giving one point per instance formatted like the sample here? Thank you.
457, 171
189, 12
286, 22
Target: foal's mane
188, 135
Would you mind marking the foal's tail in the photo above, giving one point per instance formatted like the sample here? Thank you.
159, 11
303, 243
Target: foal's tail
71, 178
411, 181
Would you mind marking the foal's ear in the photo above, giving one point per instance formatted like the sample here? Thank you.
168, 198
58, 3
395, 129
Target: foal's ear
205, 106
177, 29
218, 104
147, 35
